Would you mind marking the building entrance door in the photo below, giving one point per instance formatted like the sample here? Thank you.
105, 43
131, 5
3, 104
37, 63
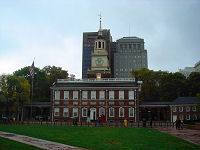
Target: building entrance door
93, 114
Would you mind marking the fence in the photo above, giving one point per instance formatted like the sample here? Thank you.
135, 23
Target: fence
91, 124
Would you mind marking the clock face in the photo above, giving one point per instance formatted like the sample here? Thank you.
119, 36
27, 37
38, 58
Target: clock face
99, 61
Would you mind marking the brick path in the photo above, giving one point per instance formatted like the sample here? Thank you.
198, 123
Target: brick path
38, 142
186, 134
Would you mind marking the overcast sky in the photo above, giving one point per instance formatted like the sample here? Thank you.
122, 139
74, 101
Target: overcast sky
52, 30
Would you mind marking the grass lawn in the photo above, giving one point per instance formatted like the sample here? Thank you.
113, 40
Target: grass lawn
100, 138
6, 144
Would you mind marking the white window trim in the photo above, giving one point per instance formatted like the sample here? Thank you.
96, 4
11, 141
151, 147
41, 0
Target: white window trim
57, 97
93, 95
65, 112
85, 96
188, 110
130, 112
123, 112
121, 97
194, 110
187, 117
111, 96
74, 111
74, 94
66, 97
133, 97
180, 110
100, 111
100, 94
56, 111
83, 113
174, 108
113, 112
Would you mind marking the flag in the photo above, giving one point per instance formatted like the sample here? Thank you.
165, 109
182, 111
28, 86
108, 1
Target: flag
31, 70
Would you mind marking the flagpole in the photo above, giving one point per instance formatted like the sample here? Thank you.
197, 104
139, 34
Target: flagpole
32, 100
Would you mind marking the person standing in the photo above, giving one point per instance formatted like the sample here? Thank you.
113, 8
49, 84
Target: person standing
125, 122
181, 124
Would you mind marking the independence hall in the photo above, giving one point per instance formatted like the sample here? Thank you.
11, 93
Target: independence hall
93, 98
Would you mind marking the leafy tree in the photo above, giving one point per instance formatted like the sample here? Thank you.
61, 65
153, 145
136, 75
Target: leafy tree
53, 73
41, 90
193, 83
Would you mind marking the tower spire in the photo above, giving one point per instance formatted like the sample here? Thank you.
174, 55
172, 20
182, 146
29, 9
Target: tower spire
100, 30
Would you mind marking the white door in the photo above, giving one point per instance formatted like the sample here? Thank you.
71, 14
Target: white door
174, 118
93, 114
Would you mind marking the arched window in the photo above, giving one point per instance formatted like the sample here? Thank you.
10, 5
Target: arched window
99, 44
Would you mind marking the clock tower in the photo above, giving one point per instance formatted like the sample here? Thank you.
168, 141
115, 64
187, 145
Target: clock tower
100, 67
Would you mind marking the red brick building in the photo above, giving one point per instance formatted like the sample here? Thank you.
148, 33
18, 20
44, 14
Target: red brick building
115, 99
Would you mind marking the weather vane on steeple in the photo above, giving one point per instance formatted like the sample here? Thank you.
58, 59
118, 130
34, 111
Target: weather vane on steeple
100, 30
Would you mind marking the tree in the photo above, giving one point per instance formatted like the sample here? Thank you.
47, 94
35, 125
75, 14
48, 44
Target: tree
41, 90
193, 83
16, 91
53, 73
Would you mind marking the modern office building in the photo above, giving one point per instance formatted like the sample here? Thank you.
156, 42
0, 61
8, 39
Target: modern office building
129, 54
88, 48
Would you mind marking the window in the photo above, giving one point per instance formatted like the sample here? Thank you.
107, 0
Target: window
181, 117
66, 94
84, 112
180, 108
121, 112
101, 111
131, 112
75, 112
131, 94
188, 109
85, 94
66, 112
111, 112
121, 94
57, 95
101, 95
56, 111
174, 108
75, 94
99, 44
195, 117
111, 94
187, 117
193, 108
93, 94
66, 102
103, 44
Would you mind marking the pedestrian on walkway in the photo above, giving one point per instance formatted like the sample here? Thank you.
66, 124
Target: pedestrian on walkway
182, 124
125, 122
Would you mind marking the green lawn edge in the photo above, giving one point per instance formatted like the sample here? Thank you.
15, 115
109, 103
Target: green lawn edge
99, 138
7, 144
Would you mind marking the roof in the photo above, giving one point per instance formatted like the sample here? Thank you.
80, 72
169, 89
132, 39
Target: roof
95, 83
156, 103
186, 100
178, 101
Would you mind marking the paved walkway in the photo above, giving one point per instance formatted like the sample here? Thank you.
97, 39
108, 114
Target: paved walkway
38, 142
186, 134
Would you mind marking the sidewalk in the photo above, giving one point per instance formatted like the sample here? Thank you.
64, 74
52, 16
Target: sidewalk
38, 142
186, 134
